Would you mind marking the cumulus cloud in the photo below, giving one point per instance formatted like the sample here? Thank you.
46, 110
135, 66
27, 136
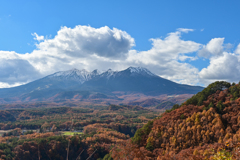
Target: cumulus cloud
166, 49
237, 51
213, 48
163, 58
83, 41
225, 67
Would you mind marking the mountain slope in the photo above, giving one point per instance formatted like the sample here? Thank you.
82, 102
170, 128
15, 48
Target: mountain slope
51, 85
137, 80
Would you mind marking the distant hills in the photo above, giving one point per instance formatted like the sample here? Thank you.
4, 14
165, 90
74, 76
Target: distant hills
80, 85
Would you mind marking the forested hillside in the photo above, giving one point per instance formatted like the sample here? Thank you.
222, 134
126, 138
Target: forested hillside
206, 126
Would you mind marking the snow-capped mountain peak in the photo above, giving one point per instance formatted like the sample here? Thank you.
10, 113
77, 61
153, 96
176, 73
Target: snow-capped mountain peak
75, 74
140, 70
83, 75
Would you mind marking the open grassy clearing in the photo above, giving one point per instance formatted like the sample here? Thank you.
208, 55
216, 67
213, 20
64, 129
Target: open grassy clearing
69, 133
4, 131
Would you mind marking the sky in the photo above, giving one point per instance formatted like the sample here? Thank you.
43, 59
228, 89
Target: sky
188, 42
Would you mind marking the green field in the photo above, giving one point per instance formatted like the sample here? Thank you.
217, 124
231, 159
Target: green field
69, 133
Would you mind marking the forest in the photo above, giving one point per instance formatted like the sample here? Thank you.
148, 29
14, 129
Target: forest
61, 132
205, 126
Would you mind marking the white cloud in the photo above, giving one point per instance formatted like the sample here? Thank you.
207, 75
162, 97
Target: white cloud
83, 41
225, 67
163, 58
185, 30
37, 37
237, 51
213, 48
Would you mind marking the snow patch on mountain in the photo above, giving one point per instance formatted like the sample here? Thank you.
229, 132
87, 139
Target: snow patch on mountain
83, 75
109, 73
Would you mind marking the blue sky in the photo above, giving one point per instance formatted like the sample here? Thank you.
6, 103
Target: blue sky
140, 20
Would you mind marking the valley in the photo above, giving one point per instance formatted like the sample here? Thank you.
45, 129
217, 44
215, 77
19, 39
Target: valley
93, 128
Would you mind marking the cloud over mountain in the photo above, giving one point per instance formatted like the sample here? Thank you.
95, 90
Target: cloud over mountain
163, 58
85, 47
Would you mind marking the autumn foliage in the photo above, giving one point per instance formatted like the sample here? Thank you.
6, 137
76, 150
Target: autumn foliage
204, 127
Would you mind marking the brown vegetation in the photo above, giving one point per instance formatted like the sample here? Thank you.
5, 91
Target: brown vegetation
190, 131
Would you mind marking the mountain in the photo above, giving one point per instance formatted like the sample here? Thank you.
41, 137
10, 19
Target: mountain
136, 80
81, 84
